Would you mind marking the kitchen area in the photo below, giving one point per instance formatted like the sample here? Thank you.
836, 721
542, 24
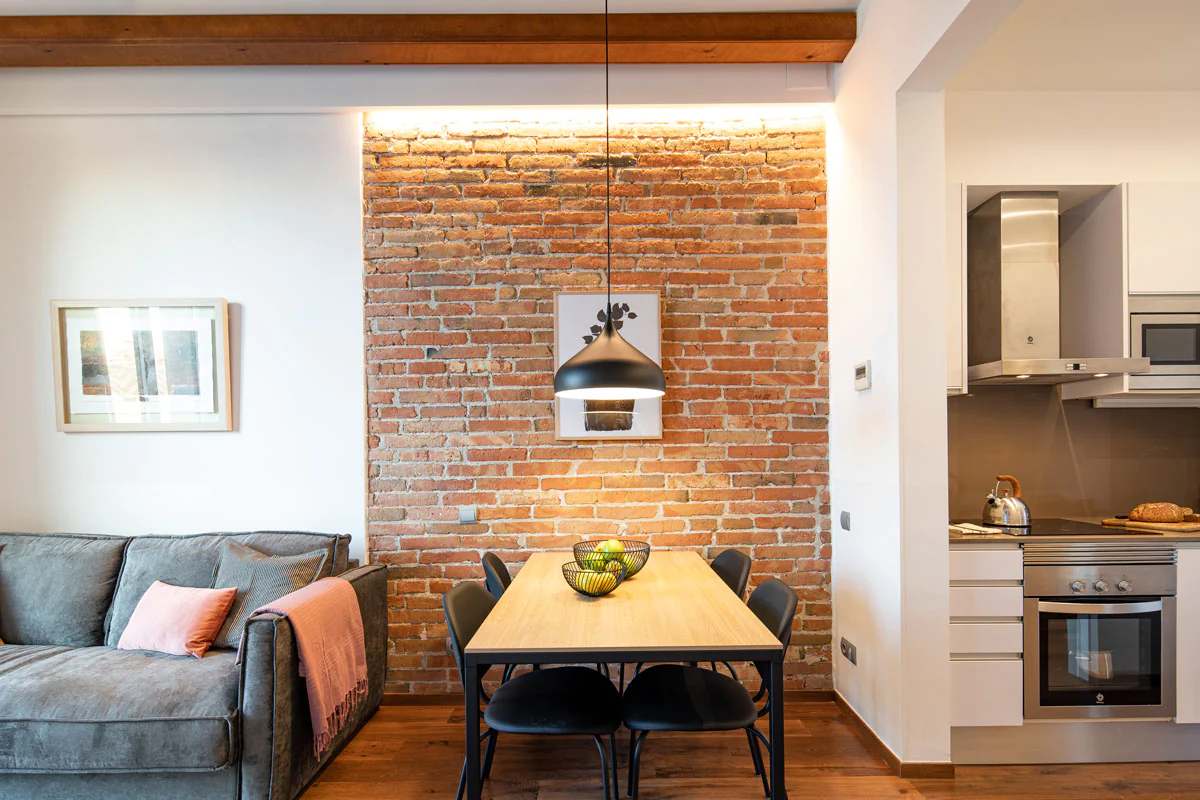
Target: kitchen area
1075, 582
1073, 408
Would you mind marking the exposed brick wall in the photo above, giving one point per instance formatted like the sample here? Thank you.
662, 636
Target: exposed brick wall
470, 228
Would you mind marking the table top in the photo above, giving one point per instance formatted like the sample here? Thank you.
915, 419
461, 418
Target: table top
675, 604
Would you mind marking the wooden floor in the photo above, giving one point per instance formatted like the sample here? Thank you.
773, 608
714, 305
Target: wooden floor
416, 752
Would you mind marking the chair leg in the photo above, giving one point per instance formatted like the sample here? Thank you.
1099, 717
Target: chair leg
629, 764
489, 753
755, 755
635, 767
612, 755
622, 683
603, 765
757, 738
462, 781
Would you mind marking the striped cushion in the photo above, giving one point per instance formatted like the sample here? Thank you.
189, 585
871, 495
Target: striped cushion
260, 579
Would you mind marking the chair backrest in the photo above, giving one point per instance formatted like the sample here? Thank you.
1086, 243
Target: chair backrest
466, 606
496, 574
734, 568
774, 603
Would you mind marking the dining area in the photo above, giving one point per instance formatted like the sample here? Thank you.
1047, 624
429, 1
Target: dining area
621, 646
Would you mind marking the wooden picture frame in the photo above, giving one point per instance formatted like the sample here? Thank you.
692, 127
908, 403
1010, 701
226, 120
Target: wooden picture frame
578, 314
141, 365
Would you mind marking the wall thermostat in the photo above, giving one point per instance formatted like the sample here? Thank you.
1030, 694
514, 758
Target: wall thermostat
862, 376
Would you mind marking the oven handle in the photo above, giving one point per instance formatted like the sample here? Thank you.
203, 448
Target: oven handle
1100, 608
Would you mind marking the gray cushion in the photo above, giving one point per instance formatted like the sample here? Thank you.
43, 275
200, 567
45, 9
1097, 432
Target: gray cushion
56, 588
96, 709
192, 561
260, 579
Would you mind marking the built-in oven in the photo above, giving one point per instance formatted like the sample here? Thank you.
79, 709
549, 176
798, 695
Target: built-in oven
1099, 630
1166, 330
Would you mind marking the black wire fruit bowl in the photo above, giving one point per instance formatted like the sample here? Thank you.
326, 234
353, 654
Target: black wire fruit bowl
594, 582
596, 553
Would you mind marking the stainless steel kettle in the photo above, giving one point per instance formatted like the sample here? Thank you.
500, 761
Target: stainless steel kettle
1006, 509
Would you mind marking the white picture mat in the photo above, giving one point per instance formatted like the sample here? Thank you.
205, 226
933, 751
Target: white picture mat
575, 314
118, 324
184, 314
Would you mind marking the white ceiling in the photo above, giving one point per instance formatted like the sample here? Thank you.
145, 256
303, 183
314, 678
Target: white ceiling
23, 7
1091, 45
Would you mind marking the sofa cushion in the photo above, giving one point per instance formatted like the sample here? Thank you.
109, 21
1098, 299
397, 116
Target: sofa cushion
259, 579
192, 561
55, 589
96, 709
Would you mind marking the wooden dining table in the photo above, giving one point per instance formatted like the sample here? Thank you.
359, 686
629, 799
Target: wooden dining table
675, 609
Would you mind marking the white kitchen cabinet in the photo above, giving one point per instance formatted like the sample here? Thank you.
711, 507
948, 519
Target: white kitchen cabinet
956, 289
1164, 239
986, 638
972, 602
978, 564
986, 693
1187, 637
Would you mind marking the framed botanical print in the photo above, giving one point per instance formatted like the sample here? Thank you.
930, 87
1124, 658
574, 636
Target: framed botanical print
141, 365
578, 318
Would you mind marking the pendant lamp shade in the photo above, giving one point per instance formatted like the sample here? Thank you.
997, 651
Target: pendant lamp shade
609, 368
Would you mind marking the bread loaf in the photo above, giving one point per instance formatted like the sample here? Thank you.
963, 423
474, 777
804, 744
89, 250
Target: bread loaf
1158, 512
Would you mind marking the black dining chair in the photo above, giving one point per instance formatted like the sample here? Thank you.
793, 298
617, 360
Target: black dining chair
495, 575
677, 697
734, 568
561, 701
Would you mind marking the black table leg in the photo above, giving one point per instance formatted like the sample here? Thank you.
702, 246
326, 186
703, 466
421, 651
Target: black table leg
778, 784
471, 690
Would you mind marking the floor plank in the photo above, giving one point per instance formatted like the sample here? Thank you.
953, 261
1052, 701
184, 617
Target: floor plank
410, 752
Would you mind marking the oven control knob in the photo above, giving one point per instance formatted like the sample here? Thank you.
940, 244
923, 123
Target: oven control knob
1100, 586
1124, 586
1077, 586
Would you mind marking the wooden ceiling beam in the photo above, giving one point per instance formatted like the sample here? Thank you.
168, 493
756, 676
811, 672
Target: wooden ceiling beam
357, 39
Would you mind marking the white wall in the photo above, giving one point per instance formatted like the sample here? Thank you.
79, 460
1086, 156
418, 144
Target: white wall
888, 445
164, 90
997, 138
261, 210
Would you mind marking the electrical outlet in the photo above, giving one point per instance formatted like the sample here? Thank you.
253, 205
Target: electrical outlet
849, 651
468, 515
845, 520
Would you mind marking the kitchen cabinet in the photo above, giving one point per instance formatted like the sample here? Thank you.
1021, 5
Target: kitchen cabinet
986, 693
956, 289
972, 602
1187, 637
1164, 239
986, 636
978, 564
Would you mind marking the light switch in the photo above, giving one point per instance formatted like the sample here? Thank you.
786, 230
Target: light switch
468, 515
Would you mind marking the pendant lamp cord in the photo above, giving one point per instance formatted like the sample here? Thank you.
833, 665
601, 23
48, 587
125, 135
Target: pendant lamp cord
607, 178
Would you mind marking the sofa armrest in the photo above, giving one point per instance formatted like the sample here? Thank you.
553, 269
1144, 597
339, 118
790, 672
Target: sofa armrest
277, 760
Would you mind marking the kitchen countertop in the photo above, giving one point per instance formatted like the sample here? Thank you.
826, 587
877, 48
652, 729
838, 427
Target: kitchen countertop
1117, 535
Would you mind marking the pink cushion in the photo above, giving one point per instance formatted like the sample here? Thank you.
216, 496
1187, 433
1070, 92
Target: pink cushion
177, 619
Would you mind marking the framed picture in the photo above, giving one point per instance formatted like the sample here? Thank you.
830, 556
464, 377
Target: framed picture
578, 317
141, 365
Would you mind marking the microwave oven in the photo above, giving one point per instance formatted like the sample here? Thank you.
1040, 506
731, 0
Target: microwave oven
1166, 330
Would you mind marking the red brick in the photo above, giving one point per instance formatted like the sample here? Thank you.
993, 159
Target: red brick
470, 228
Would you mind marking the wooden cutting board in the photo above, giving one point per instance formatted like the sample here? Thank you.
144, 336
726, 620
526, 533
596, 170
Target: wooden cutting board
1160, 527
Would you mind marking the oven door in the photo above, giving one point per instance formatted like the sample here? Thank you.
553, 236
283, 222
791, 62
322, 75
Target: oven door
1095, 658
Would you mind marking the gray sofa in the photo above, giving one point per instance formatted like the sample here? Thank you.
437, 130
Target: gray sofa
81, 719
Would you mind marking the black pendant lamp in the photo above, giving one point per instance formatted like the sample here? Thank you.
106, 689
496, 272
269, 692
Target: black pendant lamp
609, 368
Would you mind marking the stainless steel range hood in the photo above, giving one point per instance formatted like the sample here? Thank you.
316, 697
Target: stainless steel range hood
1013, 294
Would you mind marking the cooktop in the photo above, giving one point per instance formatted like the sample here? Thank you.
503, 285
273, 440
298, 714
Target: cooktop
1051, 526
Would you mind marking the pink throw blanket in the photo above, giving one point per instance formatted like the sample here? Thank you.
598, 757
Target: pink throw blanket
333, 654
